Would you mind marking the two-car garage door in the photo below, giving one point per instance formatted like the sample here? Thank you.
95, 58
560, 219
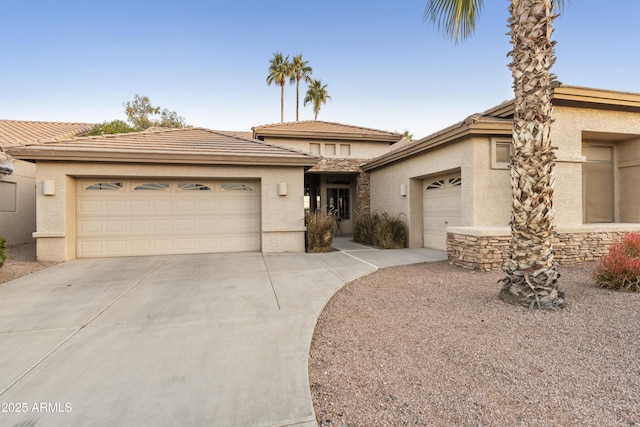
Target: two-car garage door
152, 217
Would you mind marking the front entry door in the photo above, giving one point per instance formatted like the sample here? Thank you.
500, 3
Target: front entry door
339, 202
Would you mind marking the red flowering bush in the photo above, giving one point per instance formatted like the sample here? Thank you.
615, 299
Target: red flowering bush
620, 268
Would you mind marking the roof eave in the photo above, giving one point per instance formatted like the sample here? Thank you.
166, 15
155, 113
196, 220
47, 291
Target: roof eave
172, 158
447, 136
327, 135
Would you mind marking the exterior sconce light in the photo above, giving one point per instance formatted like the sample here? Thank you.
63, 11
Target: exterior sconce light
282, 189
49, 188
403, 190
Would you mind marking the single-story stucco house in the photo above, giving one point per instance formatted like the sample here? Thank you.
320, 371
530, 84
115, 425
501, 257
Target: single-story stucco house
18, 177
454, 190
166, 191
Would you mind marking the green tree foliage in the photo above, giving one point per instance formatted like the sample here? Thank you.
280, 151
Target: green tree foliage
114, 126
143, 115
300, 70
279, 71
316, 94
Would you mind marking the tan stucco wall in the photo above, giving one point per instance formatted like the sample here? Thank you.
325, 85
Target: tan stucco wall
629, 179
282, 216
359, 149
486, 192
17, 227
385, 185
567, 135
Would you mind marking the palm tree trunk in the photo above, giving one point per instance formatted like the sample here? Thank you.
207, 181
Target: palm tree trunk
531, 276
297, 97
282, 103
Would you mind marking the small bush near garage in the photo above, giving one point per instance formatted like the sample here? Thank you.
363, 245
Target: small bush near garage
3, 250
620, 268
381, 230
319, 235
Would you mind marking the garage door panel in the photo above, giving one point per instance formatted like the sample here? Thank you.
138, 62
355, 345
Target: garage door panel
140, 245
162, 206
442, 208
115, 206
168, 220
115, 246
90, 206
140, 206
185, 205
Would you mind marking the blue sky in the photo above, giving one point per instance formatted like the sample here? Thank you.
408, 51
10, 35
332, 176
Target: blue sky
208, 60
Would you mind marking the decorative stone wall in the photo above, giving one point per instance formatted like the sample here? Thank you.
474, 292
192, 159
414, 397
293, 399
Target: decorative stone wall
363, 195
487, 253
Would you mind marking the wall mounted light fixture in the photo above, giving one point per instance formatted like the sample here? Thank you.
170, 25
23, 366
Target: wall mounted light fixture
282, 189
403, 189
49, 188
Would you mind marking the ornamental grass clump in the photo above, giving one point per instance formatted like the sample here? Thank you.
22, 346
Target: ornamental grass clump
319, 235
3, 251
620, 268
381, 230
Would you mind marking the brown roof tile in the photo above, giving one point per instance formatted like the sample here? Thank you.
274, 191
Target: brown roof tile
316, 128
188, 145
19, 132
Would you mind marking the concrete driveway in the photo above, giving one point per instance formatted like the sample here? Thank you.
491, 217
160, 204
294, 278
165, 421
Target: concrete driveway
183, 340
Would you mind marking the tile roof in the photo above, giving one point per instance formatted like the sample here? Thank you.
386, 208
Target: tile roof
19, 132
318, 128
188, 145
238, 133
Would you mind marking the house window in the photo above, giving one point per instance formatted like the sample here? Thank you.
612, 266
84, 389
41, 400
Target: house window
500, 153
436, 184
338, 201
598, 184
345, 150
191, 186
330, 149
152, 186
314, 148
105, 186
236, 187
8, 196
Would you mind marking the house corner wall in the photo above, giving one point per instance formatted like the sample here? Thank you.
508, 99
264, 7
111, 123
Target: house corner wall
18, 227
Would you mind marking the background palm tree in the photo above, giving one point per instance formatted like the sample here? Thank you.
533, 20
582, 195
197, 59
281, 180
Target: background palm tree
317, 94
531, 276
279, 72
300, 71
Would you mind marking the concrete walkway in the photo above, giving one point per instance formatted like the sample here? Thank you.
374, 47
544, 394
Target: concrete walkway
183, 340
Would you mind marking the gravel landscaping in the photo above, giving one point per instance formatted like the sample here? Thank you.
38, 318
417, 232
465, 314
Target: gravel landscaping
21, 260
432, 345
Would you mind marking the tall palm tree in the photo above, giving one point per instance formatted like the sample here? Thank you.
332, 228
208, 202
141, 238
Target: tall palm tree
300, 70
279, 72
531, 275
317, 94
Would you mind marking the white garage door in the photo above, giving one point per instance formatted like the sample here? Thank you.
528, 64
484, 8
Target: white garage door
442, 207
153, 217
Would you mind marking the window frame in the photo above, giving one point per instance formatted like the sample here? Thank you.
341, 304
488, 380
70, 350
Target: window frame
495, 164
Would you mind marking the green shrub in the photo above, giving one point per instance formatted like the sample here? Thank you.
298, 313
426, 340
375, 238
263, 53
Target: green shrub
3, 251
319, 235
381, 230
620, 268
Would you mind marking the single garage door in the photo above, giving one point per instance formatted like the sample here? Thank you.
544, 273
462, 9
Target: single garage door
442, 207
154, 217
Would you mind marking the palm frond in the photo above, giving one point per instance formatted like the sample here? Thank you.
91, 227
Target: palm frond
456, 18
